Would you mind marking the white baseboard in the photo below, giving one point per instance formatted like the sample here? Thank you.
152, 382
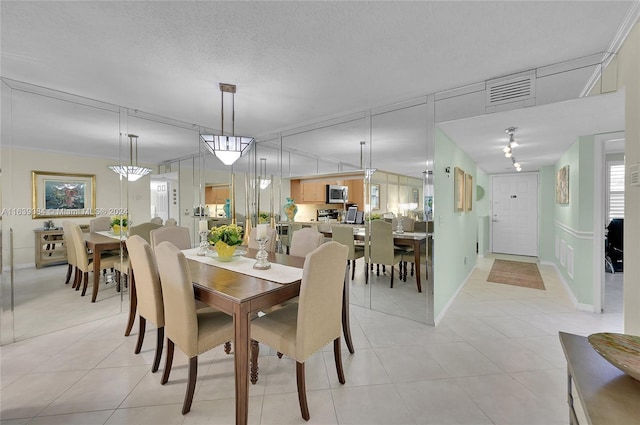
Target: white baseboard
578, 306
18, 267
453, 298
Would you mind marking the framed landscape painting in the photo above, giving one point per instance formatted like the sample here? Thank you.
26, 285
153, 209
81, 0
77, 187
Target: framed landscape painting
458, 188
468, 192
562, 185
63, 195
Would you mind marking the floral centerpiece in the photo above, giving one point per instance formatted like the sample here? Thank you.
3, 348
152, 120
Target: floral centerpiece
119, 224
226, 238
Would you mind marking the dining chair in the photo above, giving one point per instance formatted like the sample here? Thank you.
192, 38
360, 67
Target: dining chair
291, 229
177, 235
271, 243
122, 267
157, 220
148, 291
84, 265
408, 225
193, 331
301, 329
171, 222
380, 248
71, 253
344, 235
304, 241
100, 224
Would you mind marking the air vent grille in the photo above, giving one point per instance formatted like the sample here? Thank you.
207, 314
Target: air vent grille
634, 175
510, 90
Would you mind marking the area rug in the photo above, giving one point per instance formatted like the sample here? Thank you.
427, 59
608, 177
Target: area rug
516, 273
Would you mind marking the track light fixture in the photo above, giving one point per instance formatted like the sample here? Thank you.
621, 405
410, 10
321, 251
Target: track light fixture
508, 150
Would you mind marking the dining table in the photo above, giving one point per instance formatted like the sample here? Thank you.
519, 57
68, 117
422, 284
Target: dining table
415, 240
242, 294
98, 242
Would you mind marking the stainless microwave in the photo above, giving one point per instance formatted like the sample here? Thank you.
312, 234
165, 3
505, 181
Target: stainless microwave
337, 194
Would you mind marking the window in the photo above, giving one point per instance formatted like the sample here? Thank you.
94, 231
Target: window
615, 190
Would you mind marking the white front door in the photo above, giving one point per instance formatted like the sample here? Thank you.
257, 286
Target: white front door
514, 214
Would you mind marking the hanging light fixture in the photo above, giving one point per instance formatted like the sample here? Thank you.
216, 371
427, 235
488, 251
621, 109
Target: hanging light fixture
131, 172
512, 142
516, 164
227, 149
264, 181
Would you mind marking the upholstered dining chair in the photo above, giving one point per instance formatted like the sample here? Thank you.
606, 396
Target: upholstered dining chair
157, 220
344, 235
301, 329
177, 235
100, 224
194, 332
304, 241
408, 225
71, 253
271, 243
171, 222
291, 229
83, 264
144, 231
380, 248
149, 293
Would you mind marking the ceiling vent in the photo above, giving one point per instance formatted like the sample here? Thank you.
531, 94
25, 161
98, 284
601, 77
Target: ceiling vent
510, 89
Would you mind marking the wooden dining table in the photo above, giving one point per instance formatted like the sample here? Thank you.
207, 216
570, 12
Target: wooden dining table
98, 243
241, 296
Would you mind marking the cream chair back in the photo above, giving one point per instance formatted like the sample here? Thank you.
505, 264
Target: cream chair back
177, 235
100, 224
271, 243
304, 241
382, 248
171, 222
320, 305
344, 236
181, 325
148, 288
79, 245
144, 230
69, 243
157, 220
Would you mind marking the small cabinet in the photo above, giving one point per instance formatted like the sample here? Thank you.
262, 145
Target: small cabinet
49, 247
216, 195
314, 192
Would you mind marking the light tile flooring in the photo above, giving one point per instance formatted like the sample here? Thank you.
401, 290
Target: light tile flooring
494, 359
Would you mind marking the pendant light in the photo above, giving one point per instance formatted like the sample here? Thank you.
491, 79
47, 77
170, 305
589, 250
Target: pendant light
227, 149
131, 172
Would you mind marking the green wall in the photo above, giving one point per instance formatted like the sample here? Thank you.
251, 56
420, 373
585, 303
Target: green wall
455, 232
546, 211
572, 224
483, 211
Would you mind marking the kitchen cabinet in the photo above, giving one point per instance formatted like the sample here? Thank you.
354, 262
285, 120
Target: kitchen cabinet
216, 195
356, 192
304, 192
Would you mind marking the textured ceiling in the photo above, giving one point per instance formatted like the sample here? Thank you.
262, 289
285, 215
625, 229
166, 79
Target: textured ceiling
294, 62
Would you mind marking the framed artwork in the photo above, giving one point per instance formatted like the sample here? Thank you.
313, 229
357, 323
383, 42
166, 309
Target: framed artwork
57, 195
468, 192
458, 190
562, 185
375, 196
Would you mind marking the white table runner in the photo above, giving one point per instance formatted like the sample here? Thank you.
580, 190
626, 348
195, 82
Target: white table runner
278, 273
108, 234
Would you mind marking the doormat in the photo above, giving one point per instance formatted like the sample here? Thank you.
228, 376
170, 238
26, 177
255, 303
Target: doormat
516, 273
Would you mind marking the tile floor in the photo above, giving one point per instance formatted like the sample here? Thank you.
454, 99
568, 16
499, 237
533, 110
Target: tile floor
494, 359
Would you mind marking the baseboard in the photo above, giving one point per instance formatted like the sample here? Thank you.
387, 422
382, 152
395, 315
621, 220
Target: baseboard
453, 298
578, 306
19, 266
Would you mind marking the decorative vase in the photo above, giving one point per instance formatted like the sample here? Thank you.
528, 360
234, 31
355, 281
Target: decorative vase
290, 209
225, 252
119, 230
227, 208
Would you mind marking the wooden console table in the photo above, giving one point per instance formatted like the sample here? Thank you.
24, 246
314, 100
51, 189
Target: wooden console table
607, 395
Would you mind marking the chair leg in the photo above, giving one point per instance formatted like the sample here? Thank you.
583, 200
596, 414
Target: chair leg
69, 270
143, 326
191, 384
337, 355
227, 347
159, 344
77, 279
255, 350
353, 269
168, 361
302, 391
378, 270
86, 282
412, 271
391, 277
279, 354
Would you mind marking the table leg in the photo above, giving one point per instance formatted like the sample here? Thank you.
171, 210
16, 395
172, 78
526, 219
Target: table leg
133, 302
416, 261
346, 327
241, 325
96, 272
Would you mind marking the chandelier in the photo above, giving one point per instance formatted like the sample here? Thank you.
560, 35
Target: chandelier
508, 150
131, 172
227, 149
